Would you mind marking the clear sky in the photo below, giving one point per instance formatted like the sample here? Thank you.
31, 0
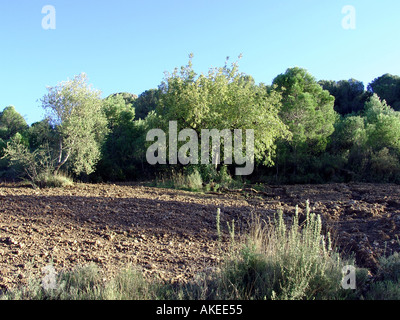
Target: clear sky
126, 45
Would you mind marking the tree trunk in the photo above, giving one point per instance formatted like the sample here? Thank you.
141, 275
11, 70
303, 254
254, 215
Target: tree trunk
60, 161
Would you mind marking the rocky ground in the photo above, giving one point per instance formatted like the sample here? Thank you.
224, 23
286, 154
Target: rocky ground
170, 233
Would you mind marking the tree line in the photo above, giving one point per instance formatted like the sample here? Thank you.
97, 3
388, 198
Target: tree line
306, 131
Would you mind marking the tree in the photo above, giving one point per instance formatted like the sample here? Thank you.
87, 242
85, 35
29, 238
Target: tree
122, 150
11, 122
222, 99
350, 95
117, 102
308, 111
306, 108
34, 163
350, 132
146, 102
3, 145
74, 109
129, 98
11, 125
41, 133
383, 125
387, 87
117, 108
370, 142
383, 141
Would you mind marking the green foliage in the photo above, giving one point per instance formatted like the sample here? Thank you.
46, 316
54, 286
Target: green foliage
222, 99
218, 224
146, 102
211, 175
387, 284
288, 263
384, 290
42, 133
86, 283
297, 129
308, 111
383, 125
350, 95
3, 145
129, 284
363, 147
387, 87
74, 110
349, 132
129, 98
197, 178
36, 165
384, 166
191, 181
19, 155
118, 110
124, 148
11, 122
11, 125
370, 142
55, 180
389, 269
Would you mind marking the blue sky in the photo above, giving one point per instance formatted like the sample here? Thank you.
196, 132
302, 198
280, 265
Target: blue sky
126, 45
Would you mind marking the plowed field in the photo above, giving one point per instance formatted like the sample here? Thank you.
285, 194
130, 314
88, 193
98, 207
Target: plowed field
171, 233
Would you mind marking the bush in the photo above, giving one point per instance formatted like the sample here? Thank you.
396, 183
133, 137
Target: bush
36, 165
82, 283
390, 267
387, 284
58, 180
86, 283
181, 180
129, 284
193, 181
285, 263
384, 166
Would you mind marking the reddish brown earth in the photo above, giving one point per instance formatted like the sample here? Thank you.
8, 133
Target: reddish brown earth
171, 233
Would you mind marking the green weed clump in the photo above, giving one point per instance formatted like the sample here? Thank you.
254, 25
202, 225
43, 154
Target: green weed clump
82, 283
87, 283
198, 178
285, 262
179, 180
387, 283
56, 180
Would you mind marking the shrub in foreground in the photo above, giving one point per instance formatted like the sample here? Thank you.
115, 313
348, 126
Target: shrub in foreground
285, 262
86, 283
387, 284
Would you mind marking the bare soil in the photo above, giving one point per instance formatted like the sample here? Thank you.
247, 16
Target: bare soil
171, 234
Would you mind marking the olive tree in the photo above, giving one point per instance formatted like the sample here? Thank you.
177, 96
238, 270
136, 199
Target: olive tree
75, 110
